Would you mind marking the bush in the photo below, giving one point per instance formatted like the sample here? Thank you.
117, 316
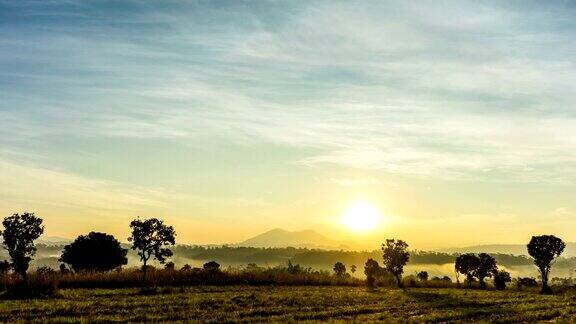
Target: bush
38, 286
501, 277
526, 282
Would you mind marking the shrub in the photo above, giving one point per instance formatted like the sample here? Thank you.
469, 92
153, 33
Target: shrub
211, 267
422, 275
39, 285
501, 277
526, 282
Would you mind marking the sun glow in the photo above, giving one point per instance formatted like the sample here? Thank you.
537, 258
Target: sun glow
361, 216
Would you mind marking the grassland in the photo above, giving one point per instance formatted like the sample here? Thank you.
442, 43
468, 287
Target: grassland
282, 304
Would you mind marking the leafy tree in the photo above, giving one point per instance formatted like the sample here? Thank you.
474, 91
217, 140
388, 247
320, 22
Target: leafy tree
152, 239
422, 275
353, 268
544, 250
371, 269
19, 234
94, 252
486, 266
396, 255
186, 268
339, 269
501, 277
467, 264
211, 267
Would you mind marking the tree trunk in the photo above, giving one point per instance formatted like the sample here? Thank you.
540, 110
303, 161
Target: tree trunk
399, 281
482, 283
144, 270
545, 288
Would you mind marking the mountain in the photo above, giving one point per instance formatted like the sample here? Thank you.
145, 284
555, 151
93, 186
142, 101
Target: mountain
282, 238
515, 249
53, 240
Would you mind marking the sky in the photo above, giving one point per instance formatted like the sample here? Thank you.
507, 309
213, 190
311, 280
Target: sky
455, 119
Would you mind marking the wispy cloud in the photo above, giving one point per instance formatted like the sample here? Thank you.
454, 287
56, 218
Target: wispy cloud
450, 89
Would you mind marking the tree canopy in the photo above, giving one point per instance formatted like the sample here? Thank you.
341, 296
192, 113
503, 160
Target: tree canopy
94, 252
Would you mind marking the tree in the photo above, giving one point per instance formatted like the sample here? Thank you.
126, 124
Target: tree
19, 234
339, 269
467, 264
422, 275
211, 267
353, 268
152, 239
486, 266
371, 269
169, 266
94, 252
544, 250
501, 277
186, 268
396, 255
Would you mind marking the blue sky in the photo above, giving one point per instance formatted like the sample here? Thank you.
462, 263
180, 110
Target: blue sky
278, 113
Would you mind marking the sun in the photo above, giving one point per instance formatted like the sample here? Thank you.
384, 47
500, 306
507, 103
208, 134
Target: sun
361, 216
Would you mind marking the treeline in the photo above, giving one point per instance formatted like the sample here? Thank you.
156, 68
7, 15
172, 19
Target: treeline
317, 257
97, 259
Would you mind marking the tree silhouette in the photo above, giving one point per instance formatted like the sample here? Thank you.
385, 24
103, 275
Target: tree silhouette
152, 239
545, 249
501, 277
94, 252
467, 264
211, 267
19, 234
486, 266
371, 269
353, 268
339, 269
395, 254
422, 275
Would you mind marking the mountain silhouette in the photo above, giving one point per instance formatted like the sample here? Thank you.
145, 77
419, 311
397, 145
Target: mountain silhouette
282, 238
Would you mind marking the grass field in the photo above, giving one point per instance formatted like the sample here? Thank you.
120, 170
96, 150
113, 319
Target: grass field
238, 303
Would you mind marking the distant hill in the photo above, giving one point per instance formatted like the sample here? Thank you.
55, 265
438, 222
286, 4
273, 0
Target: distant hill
53, 240
515, 249
282, 238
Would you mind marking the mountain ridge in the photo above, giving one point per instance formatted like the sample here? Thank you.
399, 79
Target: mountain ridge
279, 237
